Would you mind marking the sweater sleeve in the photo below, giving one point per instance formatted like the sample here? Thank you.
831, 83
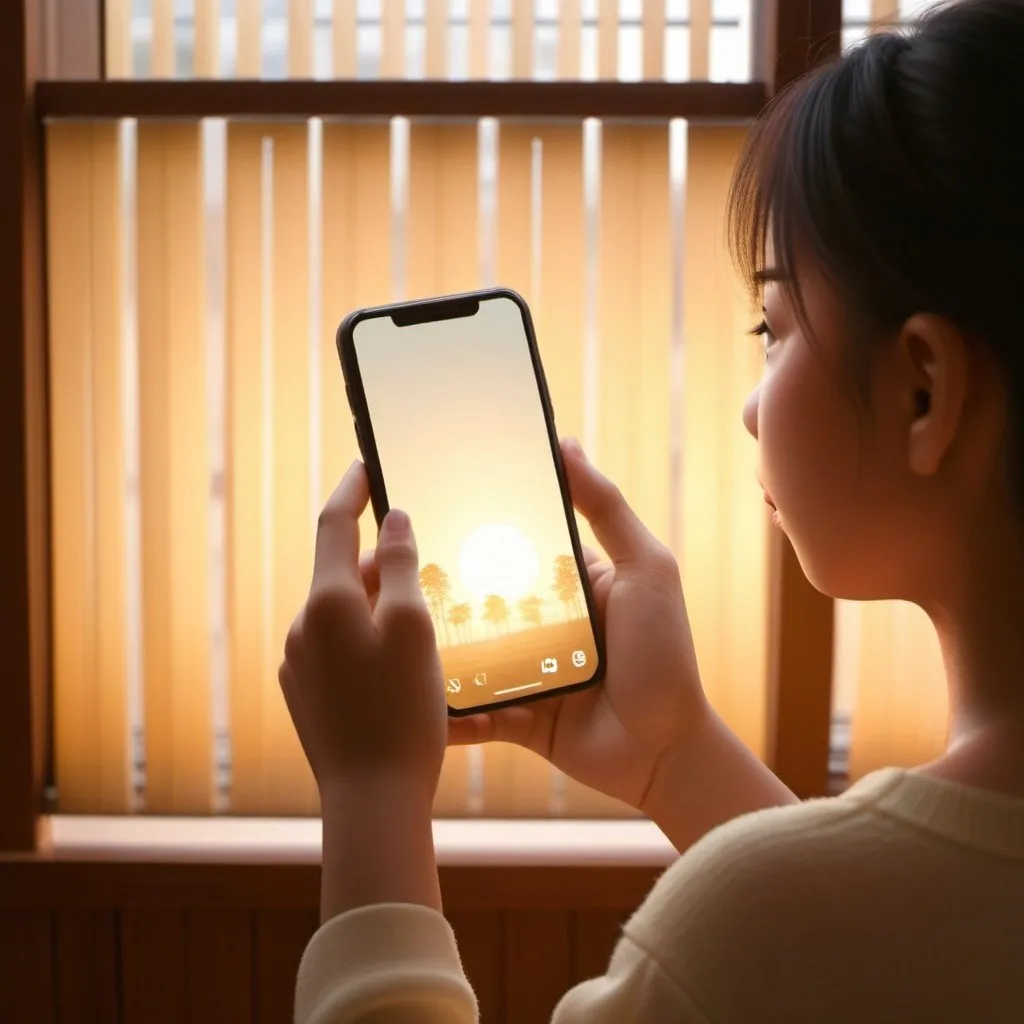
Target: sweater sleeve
399, 964
390, 963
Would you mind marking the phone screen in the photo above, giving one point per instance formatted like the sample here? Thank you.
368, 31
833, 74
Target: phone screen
456, 413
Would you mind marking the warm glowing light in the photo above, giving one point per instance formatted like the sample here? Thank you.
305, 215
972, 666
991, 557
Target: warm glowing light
499, 560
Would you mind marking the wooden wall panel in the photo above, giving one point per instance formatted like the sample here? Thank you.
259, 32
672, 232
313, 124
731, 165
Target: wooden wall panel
220, 967
86, 966
154, 966
594, 935
280, 940
116, 942
480, 935
26, 965
536, 964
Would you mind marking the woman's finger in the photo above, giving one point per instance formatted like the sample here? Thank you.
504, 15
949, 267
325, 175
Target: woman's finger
616, 526
370, 574
510, 725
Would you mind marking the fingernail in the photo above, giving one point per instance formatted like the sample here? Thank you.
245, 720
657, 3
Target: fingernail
396, 522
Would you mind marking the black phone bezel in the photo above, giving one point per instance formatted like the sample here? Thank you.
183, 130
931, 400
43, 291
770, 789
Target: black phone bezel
445, 308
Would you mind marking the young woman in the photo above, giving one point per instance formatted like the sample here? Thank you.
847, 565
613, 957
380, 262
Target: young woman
880, 204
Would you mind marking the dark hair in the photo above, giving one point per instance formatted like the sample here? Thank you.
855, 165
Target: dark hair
896, 168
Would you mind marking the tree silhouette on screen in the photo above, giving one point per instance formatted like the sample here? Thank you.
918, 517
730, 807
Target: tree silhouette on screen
437, 589
459, 617
496, 612
531, 610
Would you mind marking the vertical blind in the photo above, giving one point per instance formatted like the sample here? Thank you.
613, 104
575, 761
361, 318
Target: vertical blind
199, 418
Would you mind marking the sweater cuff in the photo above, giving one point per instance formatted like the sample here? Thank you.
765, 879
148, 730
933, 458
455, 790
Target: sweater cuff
383, 955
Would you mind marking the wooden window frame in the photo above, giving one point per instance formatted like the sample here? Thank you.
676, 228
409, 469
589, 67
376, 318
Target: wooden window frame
51, 53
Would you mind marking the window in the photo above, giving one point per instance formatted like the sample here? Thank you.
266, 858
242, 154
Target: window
198, 268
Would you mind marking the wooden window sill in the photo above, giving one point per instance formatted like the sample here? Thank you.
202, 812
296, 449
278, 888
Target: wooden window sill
459, 843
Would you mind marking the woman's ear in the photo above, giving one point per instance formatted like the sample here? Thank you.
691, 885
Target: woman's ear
935, 360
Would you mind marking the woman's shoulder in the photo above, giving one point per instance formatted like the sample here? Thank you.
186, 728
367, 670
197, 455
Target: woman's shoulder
817, 893
825, 854
769, 848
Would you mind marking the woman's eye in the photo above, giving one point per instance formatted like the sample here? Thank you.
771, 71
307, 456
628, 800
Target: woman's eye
766, 335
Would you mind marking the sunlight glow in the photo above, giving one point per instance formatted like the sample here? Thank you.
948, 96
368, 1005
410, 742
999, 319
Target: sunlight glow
499, 560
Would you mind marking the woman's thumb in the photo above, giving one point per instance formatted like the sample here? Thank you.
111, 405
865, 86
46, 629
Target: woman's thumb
509, 725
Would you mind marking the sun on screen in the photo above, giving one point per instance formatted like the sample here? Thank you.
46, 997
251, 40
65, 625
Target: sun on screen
499, 560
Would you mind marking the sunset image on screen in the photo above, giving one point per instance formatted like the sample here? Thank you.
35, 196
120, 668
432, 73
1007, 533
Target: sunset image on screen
459, 426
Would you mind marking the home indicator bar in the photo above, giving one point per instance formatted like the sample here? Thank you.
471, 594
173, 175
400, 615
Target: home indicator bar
513, 689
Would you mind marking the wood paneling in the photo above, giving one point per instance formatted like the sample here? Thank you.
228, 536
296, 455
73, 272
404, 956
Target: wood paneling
594, 935
86, 971
122, 941
481, 938
245, 883
280, 938
154, 966
221, 968
26, 965
537, 964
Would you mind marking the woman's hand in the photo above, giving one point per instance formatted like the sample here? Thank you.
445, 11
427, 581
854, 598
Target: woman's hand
615, 736
362, 680
647, 734
363, 683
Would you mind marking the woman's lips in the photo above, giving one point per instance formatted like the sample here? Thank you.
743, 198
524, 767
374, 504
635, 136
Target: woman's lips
771, 504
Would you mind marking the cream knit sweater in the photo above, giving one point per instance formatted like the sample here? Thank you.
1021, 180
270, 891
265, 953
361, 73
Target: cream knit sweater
902, 900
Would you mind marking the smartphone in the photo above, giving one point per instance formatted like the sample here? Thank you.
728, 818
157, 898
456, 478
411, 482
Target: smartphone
455, 426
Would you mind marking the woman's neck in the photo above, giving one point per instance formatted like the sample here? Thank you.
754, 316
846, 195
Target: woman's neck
981, 630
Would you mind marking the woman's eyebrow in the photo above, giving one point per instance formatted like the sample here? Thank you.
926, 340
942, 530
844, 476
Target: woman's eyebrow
768, 274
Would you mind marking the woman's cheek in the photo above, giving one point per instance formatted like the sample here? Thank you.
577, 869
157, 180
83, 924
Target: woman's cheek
801, 452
